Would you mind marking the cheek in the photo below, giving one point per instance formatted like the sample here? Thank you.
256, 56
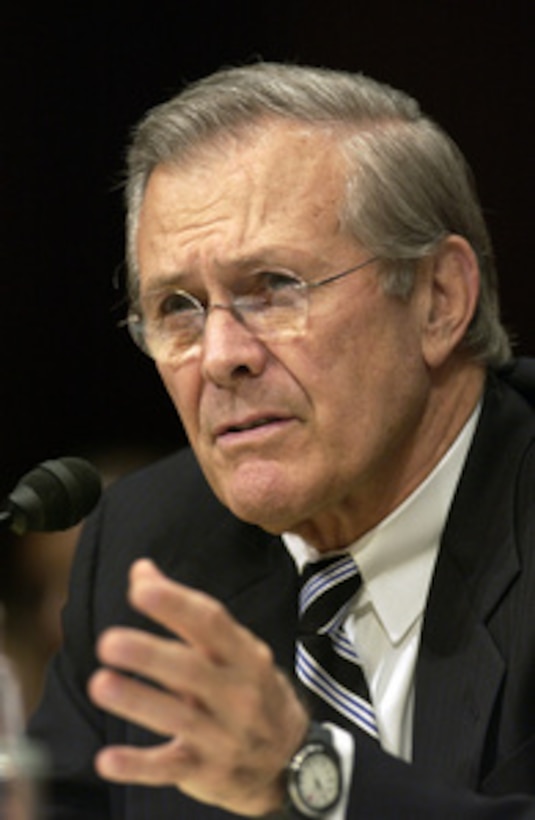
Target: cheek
365, 367
183, 390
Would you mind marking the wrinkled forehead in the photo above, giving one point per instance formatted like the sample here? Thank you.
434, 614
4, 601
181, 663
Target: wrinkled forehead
280, 183
279, 158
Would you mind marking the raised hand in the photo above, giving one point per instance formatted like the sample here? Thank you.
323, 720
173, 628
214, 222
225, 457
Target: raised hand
229, 717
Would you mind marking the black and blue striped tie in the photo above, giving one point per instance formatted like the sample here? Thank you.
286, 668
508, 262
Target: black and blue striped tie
327, 664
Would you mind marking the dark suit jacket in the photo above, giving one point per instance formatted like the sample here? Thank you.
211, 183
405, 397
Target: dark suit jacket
474, 723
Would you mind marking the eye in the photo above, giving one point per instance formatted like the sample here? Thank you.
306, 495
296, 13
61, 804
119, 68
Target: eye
273, 281
269, 292
173, 304
269, 289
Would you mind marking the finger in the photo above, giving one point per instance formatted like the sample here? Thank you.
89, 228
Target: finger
155, 710
193, 688
161, 765
172, 764
169, 663
125, 697
198, 618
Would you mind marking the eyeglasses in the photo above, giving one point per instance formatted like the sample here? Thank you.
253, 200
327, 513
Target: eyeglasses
169, 324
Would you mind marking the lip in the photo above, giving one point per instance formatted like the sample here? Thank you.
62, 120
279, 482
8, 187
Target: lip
250, 428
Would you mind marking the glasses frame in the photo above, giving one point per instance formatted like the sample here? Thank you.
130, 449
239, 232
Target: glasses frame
136, 322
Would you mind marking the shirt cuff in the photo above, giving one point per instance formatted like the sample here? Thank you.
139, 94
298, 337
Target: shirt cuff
344, 744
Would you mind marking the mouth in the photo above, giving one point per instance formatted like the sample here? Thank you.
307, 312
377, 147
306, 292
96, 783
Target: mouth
248, 428
251, 425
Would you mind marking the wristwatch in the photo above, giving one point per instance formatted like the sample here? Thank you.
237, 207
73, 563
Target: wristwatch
314, 775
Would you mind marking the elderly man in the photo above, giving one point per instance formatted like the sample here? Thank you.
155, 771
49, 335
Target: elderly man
311, 273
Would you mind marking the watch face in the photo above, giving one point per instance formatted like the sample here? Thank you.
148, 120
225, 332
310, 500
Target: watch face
319, 781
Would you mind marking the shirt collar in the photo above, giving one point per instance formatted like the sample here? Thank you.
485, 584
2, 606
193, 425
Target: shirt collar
396, 558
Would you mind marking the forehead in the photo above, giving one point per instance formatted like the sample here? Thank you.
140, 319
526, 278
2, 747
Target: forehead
277, 185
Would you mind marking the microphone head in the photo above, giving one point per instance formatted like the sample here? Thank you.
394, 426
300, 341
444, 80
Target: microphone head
54, 496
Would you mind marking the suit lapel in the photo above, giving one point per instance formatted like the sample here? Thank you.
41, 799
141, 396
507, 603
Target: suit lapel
458, 678
476, 568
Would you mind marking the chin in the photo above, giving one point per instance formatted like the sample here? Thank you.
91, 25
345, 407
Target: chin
269, 493
268, 512
263, 502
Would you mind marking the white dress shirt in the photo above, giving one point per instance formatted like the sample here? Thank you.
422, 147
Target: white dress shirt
396, 560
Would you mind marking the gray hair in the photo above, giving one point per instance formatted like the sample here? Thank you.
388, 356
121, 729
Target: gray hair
408, 185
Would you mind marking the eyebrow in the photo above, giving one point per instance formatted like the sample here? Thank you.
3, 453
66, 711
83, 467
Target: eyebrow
177, 279
163, 282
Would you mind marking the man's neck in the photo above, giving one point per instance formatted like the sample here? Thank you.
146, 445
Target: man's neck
453, 399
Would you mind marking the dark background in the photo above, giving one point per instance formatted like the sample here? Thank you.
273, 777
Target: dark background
73, 84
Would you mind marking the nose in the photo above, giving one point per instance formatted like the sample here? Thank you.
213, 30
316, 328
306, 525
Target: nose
230, 352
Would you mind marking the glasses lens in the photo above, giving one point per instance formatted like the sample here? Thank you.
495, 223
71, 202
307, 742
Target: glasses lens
170, 325
135, 328
278, 311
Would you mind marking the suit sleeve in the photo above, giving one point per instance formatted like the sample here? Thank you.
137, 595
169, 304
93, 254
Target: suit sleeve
66, 725
385, 788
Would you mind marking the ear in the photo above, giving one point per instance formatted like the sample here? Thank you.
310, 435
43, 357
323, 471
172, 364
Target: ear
451, 298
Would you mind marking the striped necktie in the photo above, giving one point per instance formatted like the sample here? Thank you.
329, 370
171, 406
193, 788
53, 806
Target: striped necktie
326, 661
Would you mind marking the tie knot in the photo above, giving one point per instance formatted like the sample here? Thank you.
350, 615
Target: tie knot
327, 589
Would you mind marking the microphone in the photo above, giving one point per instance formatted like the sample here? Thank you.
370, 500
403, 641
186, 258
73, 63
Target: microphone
55, 495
